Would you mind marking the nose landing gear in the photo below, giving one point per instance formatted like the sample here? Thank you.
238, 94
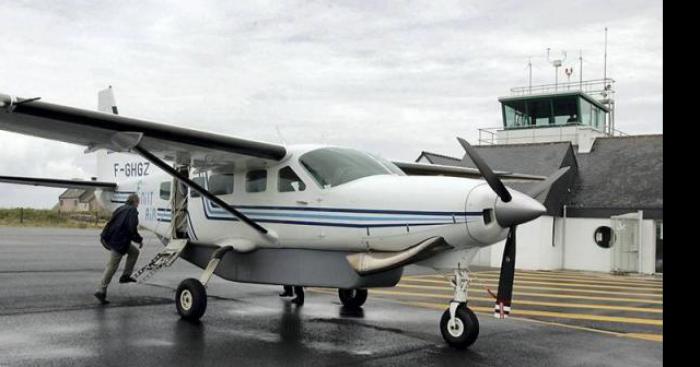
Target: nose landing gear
459, 325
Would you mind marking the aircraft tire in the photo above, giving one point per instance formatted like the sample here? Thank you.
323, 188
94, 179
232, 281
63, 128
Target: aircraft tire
465, 330
191, 299
352, 298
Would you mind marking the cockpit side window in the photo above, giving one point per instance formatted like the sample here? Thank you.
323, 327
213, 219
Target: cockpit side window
288, 181
331, 167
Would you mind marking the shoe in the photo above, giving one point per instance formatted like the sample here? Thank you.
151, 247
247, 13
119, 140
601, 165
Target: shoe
126, 279
102, 297
299, 301
286, 294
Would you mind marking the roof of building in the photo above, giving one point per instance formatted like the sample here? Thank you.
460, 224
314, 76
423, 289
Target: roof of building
435, 158
80, 194
621, 173
541, 159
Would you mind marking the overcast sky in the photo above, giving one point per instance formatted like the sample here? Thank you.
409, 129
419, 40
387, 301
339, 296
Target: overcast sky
392, 78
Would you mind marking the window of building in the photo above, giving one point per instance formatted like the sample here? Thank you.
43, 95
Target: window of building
565, 111
165, 190
289, 181
201, 181
515, 114
540, 112
256, 180
221, 183
604, 236
587, 112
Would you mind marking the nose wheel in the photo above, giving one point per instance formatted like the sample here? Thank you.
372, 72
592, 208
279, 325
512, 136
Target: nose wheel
461, 330
459, 325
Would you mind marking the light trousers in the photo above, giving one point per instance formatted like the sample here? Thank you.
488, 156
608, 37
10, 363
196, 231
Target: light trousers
132, 254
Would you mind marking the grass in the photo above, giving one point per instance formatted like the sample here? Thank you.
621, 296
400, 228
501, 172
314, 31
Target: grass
27, 217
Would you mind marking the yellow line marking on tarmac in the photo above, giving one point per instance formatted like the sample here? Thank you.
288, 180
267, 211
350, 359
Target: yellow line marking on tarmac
580, 275
566, 284
558, 315
645, 336
495, 274
545, 295
595, 280
519, 276
489, 311
560, 289
522, 302
587, 273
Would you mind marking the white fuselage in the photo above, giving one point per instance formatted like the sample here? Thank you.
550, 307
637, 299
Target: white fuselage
386, 212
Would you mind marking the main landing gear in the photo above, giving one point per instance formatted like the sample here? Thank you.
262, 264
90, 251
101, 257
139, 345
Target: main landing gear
191, 294
352, 298
459, 325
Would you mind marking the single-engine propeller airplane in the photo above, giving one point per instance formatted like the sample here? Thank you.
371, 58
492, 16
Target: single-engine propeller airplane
308, 215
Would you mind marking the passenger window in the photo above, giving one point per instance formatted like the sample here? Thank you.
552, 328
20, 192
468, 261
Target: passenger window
289, 181
201, 181
256, 180
165, 190
221, 184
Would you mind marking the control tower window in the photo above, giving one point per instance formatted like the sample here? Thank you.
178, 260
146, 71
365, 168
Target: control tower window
540, 112
516, 114
565, 111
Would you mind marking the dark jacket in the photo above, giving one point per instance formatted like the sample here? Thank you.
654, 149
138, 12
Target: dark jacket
122, 229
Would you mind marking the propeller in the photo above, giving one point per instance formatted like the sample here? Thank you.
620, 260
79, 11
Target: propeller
490, 177
512, 209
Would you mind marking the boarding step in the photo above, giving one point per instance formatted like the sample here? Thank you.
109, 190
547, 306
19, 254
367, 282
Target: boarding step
163, 259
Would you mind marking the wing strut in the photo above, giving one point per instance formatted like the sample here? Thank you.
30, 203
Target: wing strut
194, 186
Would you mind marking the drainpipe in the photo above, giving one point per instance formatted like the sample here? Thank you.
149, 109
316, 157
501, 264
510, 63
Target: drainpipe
563, 238
641, 240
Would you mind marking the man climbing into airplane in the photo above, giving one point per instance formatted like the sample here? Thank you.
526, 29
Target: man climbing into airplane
120, 231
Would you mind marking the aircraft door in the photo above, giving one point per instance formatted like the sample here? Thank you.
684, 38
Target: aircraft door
178, 205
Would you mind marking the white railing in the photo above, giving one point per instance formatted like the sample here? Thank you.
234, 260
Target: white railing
498, 135
598, 87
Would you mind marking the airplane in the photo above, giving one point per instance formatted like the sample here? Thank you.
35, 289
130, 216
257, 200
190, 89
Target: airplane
308, 215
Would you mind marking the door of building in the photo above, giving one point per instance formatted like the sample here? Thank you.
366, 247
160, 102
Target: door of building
626, 249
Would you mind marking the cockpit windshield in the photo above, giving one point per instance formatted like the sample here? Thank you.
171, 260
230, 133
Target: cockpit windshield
331, 167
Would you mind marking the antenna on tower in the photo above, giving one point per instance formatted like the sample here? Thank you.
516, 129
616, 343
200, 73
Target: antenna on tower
580, 70
529, 65
605, 57
557, 64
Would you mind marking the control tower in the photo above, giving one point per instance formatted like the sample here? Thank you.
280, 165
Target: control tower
577, 112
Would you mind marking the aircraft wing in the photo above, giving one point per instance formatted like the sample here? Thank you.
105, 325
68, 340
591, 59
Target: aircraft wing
422, 169
98, 130
64, 184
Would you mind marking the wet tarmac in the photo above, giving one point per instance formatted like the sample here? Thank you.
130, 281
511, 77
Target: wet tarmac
49, 317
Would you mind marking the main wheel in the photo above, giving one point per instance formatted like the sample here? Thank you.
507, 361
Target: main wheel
463, 331
191, 299
352, 298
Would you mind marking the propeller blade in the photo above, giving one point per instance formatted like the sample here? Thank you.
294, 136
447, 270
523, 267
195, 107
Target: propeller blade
505, 281
491, 178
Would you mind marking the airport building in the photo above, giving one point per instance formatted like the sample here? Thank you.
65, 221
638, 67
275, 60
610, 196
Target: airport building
78, 200
606, 212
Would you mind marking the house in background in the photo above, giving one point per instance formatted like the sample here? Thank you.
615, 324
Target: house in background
77, 200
